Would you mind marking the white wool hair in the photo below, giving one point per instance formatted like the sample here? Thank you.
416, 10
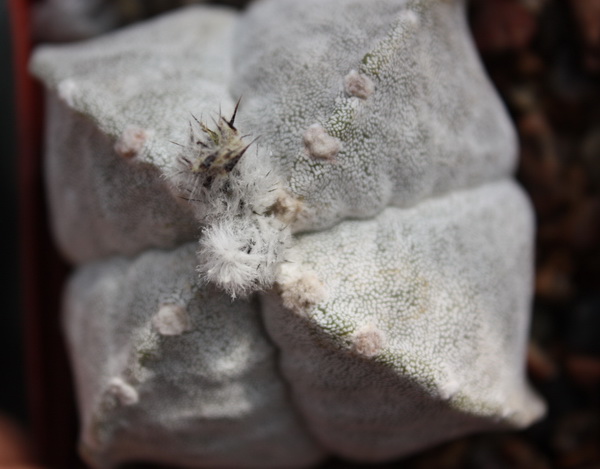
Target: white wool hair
300, 287
240, 255
250, 187
257, 181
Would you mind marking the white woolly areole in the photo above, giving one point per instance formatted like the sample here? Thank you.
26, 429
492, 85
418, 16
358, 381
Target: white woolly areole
67, 89
368, 340
448, 388
123, 391
171, 319
202, 394
300, 289
358, 84
132, 141
409, 19
240, 255
320, 144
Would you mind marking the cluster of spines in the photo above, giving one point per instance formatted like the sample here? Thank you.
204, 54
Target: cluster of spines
212, 154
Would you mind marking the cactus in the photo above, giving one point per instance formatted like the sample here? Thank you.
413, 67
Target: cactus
186, 375
356, 201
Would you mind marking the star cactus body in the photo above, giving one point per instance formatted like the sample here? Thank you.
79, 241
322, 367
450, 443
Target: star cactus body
356, 282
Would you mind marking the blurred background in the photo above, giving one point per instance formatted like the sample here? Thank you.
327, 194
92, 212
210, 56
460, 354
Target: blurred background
544, 58
12, 399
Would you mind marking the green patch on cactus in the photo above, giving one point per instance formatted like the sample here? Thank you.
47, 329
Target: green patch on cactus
340, 122
145, 356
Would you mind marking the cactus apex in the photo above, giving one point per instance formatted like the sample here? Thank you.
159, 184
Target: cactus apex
171, 319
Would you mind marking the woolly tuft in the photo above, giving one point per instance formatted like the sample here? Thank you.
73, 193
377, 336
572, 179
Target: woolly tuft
240, 255
300, 288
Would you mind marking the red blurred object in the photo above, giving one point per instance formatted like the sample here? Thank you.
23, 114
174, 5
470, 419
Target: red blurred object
587, 15
51, 401
502, 25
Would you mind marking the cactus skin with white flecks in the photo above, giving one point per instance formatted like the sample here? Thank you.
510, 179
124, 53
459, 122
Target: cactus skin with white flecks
388, 106
117, 107
387, 125
173, 372
411, 321
358, 202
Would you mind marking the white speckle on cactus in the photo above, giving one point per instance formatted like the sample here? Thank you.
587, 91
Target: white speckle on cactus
409, 19
368, 340
449, 388
300, 289
171, 319
123, 391
320, 144
359, 85
132, 141
66, 91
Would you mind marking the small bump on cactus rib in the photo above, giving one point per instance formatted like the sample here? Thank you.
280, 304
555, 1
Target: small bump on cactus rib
359, 85
131, 142
287, 209
171, 319
410, 19
320, 144
368, 340
66, 90
124, 392
449, 388
300, 289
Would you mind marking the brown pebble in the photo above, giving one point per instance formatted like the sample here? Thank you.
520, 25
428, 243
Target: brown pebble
584, 370
539, 363
501, 25
14, 448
